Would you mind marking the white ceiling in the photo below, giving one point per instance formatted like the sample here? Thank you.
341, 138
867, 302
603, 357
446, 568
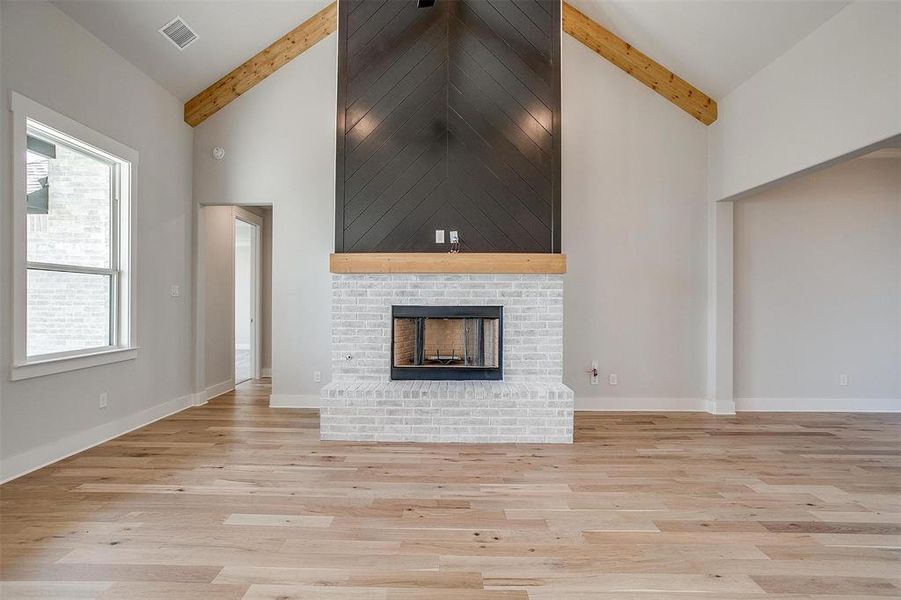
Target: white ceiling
714, 44
229, 32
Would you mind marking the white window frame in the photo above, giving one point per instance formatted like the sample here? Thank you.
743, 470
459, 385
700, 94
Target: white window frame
122, 267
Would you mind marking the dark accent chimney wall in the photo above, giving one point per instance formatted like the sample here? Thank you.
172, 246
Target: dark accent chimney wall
448, 118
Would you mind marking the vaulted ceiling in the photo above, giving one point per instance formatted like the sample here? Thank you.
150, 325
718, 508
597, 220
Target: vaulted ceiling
230, 31
714, 45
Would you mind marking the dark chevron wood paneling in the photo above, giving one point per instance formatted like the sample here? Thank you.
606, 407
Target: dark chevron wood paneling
448, 118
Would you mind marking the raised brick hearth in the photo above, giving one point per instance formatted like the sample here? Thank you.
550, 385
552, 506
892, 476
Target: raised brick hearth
447, 411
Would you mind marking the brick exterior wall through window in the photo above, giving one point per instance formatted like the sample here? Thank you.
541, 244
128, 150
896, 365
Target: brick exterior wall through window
70, 311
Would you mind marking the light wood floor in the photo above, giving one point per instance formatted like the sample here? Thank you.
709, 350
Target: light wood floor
236, 500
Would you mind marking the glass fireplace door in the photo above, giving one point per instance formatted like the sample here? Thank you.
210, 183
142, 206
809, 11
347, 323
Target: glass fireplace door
446, 342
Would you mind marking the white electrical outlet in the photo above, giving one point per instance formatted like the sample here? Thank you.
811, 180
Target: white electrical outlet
439, 236
317, 376
593, 372
174, 291
843, 380
104, 400
612, 379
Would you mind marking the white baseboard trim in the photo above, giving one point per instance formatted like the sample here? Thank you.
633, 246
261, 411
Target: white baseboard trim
223, 387
265, 372
720, 407
293, 401
37, 458
625, 404
851, 405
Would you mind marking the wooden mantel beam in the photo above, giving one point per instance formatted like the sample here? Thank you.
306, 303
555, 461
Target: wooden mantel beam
641, 67
578, 25
446, 262
262, 65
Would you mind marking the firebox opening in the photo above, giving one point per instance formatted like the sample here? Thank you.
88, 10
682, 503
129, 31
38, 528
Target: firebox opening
446, 342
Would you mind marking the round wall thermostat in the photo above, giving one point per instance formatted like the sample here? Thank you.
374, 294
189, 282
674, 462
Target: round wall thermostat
218, 152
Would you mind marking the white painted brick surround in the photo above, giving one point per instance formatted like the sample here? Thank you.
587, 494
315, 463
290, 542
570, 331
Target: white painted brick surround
530, 405
533, 319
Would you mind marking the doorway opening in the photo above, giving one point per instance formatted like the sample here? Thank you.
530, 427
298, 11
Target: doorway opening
248, 292
234, 296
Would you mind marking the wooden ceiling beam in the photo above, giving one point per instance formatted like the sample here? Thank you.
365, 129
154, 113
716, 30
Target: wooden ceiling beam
262, 65
638, 65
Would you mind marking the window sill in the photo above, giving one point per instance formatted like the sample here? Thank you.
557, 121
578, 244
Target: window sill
39, 368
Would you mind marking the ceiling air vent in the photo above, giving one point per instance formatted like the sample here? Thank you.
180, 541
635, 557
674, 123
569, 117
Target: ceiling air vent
179, 33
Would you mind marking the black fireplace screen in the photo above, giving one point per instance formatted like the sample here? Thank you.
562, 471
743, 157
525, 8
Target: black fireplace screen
447, 342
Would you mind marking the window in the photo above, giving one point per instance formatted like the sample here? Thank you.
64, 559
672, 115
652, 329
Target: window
73, 192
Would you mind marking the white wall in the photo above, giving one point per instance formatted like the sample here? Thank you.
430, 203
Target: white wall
837, 90
52, 60
634, 228
218, 313
817, 268
280, 150
633, 225
266, 275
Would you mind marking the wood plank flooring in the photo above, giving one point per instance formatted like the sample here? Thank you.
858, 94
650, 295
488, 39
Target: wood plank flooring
237, 500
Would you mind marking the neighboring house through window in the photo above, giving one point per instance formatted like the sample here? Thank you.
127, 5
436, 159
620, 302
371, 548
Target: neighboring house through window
73, 275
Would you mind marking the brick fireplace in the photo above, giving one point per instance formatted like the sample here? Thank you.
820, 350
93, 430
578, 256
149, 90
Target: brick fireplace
530, 403
429, 143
